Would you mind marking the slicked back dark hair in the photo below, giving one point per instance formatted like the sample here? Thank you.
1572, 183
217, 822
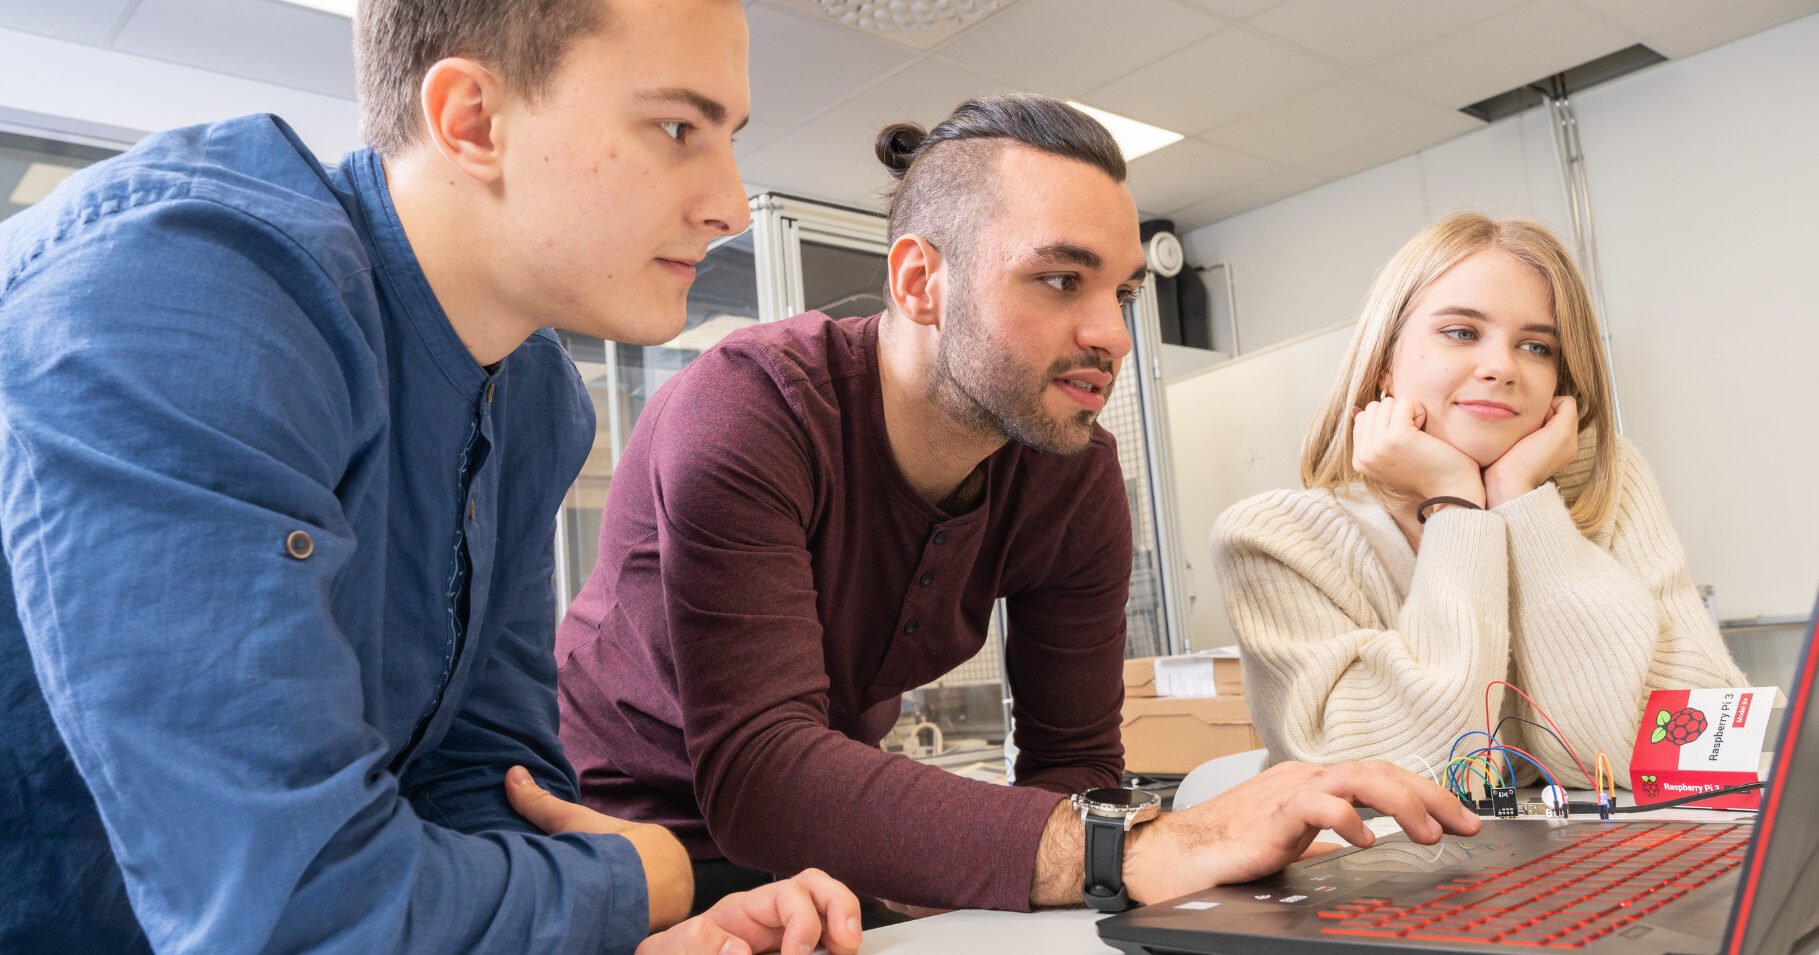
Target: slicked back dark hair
948, 185
397, 41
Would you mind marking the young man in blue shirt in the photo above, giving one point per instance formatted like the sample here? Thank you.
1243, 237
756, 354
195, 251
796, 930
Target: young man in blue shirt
281, 451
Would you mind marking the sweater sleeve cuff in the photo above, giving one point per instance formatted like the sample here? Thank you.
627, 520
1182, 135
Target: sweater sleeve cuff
1461, 549
1541, 530
624, 912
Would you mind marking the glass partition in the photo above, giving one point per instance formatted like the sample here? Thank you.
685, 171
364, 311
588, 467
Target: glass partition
1156, 614
1145, 625
841, 281
31, 166
622, 378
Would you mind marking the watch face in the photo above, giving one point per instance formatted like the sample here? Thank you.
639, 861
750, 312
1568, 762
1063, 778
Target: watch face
1126, 798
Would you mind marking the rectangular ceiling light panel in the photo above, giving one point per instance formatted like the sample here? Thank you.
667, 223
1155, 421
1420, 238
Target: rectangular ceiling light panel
1134, 137
341, 8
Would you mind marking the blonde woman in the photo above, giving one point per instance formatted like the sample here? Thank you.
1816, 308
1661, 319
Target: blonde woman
1470, 515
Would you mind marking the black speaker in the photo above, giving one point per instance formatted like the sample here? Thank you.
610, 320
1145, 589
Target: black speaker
1181, 301
1168, 308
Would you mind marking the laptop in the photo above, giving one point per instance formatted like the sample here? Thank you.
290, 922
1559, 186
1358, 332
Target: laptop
1631, 885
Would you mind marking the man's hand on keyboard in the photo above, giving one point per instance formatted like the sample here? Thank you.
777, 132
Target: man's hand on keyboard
1267, 822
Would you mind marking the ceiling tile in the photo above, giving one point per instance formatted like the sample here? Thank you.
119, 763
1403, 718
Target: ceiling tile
1649, 17
1244, 199
259, 39
1065, 47
1230, 74
1191, 171
1733, 24
830, 157
1236, 9
1403, 142
1350, 112
1529, 43
1365, 34
81, 21
787, 87
756, 135
914, 25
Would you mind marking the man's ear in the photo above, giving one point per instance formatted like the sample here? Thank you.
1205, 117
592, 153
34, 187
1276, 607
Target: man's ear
917, 278
461, 101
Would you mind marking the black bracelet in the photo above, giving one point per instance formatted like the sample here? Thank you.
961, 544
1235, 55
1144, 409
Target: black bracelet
1421, 510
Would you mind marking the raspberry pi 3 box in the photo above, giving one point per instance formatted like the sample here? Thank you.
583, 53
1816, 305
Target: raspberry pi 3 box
1694, 741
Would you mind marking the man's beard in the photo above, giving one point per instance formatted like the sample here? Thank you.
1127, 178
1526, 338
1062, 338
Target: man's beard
980, 383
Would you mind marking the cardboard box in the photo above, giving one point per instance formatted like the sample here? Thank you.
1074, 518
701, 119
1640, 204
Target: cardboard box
1140, 675
1694, 741
1175, 734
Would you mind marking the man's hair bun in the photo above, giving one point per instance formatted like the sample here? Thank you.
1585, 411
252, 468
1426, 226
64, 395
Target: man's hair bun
897, 146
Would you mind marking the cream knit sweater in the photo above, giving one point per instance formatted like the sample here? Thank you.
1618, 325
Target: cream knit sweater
1355, 647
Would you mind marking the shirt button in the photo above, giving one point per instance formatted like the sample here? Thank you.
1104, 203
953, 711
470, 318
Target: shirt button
472, 514
299, 545
928, 577
489, 392
909, 629
941, 537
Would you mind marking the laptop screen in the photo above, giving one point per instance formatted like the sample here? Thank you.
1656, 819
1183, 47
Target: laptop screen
1778, 898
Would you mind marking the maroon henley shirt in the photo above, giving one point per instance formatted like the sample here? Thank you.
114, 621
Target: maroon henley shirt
769, 585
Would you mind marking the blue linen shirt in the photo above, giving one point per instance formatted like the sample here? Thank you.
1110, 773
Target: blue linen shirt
218, 735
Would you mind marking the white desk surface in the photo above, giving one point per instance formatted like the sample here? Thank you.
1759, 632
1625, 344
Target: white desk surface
1055, 932
1070, 931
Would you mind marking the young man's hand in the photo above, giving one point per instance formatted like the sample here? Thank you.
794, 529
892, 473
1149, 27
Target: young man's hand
1270, 821
668, 873
1250, 830
790, 916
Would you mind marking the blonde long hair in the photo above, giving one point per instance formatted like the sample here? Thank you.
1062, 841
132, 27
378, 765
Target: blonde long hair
1326, 451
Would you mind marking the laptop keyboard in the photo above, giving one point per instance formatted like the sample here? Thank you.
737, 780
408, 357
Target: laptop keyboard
1581, 892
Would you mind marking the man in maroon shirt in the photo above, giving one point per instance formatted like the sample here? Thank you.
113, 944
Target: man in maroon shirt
816, 516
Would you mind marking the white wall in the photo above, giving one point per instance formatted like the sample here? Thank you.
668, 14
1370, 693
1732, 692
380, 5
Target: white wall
1705, 196
111, 96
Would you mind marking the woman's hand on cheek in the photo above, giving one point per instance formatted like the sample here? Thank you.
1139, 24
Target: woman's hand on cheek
1537, 457
1389, 446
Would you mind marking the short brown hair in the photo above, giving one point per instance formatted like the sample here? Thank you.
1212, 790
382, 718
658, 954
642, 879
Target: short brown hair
946, 190
397, 41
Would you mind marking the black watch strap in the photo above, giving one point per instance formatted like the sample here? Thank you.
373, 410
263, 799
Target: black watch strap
1104, 889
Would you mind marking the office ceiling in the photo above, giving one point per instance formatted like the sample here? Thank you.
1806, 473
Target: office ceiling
1275, 96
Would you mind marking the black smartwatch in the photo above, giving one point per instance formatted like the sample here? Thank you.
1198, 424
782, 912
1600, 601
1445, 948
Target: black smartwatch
1107, 815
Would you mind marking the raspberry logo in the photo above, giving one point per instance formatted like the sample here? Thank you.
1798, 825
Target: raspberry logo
1650, 787
1678, 728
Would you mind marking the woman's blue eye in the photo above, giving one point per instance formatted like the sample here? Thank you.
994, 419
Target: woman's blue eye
1460, 334
1539, 349
673, 128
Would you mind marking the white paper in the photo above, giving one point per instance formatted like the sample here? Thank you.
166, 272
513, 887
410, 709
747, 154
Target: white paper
1191, 674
